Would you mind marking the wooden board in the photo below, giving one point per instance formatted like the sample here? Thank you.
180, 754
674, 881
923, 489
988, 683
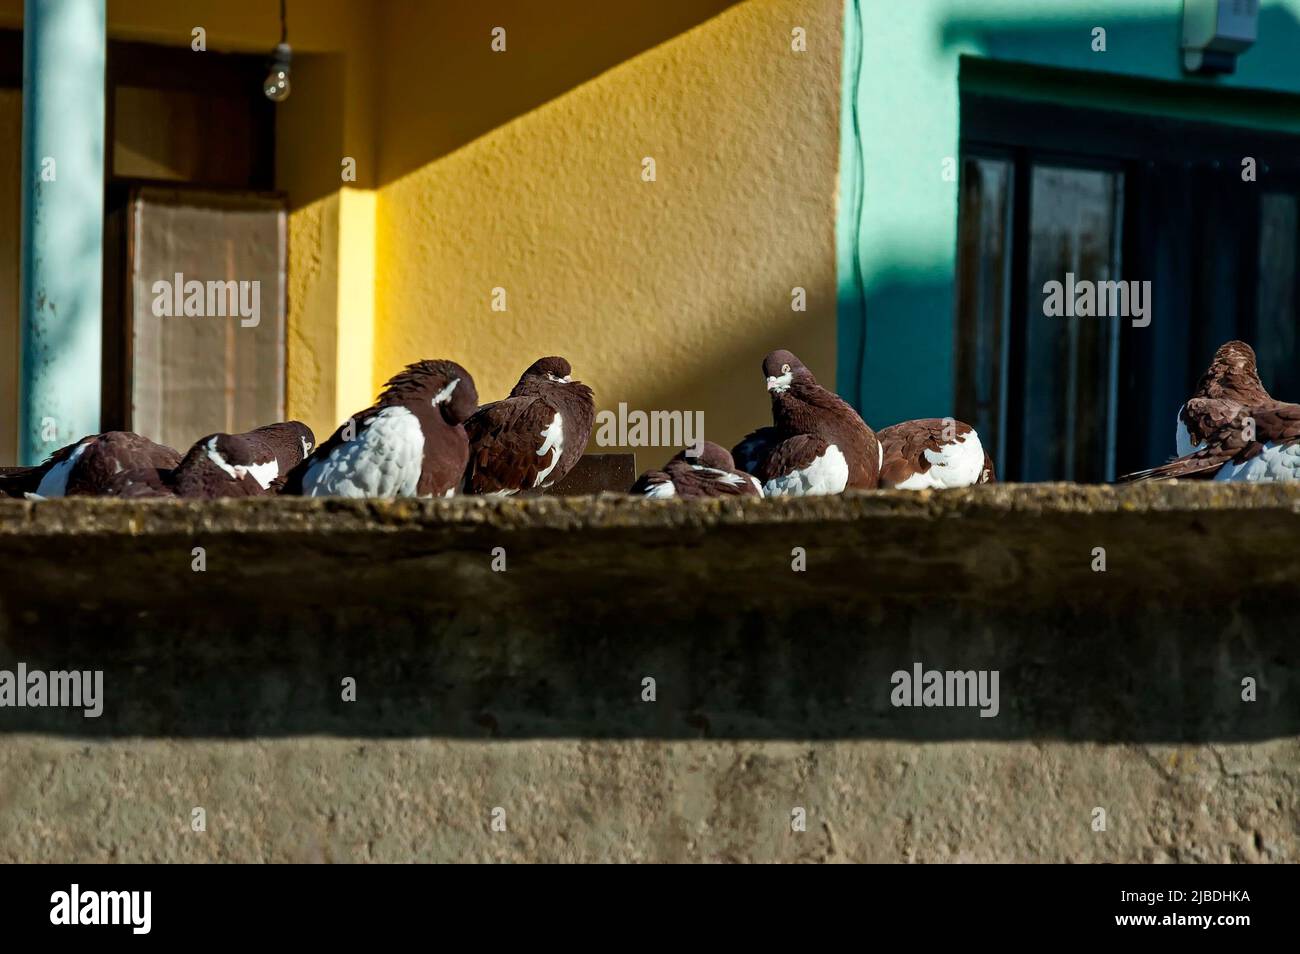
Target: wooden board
597, 473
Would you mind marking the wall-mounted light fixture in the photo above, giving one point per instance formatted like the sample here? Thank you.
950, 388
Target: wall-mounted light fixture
1216, 32
276, 84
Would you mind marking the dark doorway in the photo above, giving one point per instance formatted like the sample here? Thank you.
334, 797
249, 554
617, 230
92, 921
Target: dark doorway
1209, 214
191, 140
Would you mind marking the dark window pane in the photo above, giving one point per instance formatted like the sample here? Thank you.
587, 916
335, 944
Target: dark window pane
1278, 257
1070, 362
984, 259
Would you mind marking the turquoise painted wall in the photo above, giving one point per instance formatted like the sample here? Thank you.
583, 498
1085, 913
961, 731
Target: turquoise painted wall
897, 218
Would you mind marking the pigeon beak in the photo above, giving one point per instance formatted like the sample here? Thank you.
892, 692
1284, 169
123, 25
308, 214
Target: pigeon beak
781, 383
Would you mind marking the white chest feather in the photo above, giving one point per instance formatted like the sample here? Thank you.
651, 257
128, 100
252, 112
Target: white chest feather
957, 463
552, 444
828, 474
1270, 465
264, 474
384, 459
55, 481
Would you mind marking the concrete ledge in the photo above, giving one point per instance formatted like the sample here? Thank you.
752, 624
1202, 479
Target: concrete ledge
1012, 544
523, 689
600, 593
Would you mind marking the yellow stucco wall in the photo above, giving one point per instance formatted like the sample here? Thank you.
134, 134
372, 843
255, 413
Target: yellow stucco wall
523, 170
665, 294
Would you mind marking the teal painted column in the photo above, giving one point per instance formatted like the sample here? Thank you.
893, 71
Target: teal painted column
64, 44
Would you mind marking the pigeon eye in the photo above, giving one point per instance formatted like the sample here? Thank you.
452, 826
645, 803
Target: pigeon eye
785, 369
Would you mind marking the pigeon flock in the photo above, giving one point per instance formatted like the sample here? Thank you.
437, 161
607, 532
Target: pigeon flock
427, 436
121, 464
817, 444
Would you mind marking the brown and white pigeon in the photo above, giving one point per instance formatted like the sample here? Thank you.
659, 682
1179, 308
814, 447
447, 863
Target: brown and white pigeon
531, 440
712, 473
88, 467
817, 444
933, 453
1231, 428
253, 464
410, 443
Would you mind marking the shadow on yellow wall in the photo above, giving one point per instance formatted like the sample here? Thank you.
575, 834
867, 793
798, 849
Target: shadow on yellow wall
664, 294
442, 84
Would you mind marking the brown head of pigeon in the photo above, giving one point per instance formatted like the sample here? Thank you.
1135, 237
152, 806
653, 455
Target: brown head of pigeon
531, 440
253, 464
410, 443
817, 443
1231, 428
89, 466
709, 473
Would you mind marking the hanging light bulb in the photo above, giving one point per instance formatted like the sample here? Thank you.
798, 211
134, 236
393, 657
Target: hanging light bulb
276, 85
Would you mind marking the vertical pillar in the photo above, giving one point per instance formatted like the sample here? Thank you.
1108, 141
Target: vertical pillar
64, 44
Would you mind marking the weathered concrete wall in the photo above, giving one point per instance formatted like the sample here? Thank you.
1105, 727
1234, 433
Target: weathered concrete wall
522, 689
327, 799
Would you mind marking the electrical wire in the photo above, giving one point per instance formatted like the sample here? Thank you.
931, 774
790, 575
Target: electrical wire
859, 283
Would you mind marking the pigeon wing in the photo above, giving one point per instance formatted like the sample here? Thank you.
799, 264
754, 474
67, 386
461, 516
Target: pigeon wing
21, 481
696, 480
110, 454
510, 449
791, 456
754, 448
904, 446
1208, 416
655, 484
141, 482
1225, 423
917, 447
1277, 424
